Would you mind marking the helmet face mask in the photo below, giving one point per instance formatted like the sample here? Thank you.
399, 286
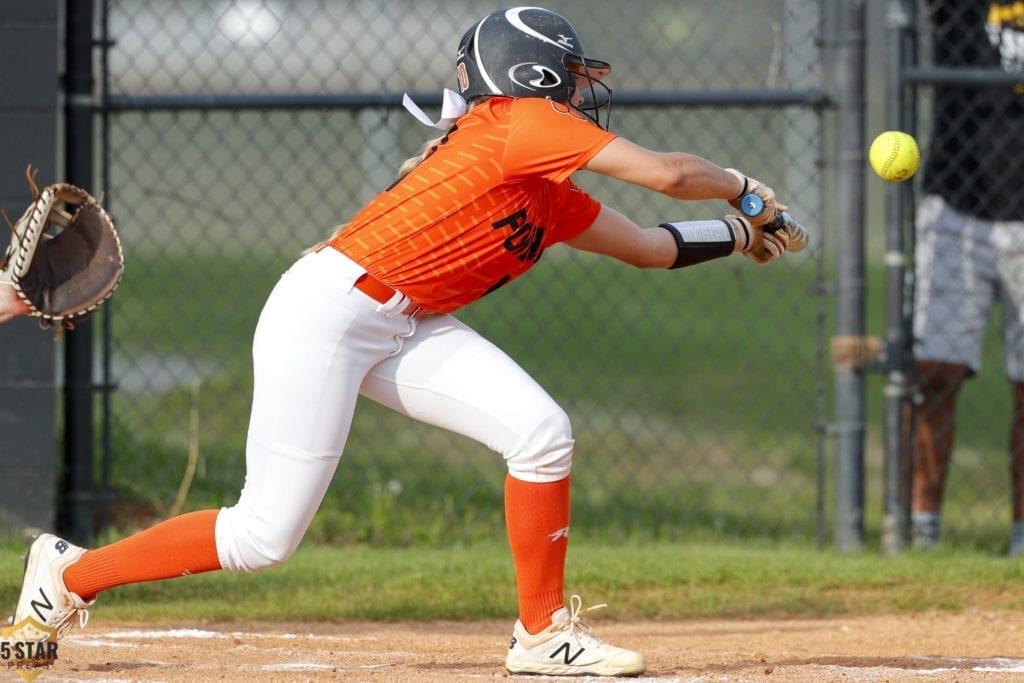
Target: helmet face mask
531, 52
596, 95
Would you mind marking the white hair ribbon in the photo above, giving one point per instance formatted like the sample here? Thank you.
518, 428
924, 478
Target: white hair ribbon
453, 105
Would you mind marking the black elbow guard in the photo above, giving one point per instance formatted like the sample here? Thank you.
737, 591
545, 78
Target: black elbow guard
700, 241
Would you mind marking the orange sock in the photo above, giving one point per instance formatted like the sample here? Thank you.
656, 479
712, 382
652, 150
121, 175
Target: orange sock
537, 521
177, 547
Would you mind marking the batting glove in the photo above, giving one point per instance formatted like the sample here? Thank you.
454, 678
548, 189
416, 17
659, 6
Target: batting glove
750, 186
762, 247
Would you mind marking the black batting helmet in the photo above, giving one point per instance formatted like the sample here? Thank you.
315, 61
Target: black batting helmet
529, 52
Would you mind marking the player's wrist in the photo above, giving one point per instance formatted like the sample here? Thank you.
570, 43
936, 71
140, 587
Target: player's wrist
743, 231
746, 184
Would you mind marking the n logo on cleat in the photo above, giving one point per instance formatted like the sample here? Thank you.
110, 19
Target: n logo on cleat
61, 546
36, 605
565, 656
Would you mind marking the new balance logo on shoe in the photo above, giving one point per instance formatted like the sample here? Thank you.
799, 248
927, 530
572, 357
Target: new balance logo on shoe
61, 546
566, 658
38, 606
565, 655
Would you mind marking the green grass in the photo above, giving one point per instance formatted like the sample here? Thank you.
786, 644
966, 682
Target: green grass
638, 580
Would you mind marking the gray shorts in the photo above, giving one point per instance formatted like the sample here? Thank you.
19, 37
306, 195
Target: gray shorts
964, 265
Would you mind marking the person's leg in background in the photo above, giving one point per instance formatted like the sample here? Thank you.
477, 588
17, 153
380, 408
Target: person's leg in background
955, 288
1017, 470
1009, 239
938, 385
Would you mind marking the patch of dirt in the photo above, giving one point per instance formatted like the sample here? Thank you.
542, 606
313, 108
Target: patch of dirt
966, 646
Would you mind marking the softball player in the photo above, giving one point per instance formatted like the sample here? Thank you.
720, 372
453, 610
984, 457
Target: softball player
368, 312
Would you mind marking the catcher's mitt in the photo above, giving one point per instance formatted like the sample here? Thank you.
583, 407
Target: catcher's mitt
62, 263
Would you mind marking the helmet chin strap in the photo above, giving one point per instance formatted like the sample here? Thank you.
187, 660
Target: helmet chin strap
453, 106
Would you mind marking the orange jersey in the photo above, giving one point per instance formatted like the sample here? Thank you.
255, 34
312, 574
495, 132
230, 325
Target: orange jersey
482, 207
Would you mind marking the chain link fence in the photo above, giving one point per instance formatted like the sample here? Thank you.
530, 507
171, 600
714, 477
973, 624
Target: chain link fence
238, 132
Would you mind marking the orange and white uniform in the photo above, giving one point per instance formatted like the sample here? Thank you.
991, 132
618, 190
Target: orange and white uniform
483, 207
477, 213
350, 319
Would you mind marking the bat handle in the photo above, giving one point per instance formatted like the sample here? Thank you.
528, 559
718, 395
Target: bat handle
752, 205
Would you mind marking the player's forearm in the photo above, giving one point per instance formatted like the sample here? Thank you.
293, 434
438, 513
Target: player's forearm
614, 235
677, 174
682, 243
696, 178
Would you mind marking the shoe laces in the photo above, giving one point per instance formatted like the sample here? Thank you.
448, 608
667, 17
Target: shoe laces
579, 628
66, 620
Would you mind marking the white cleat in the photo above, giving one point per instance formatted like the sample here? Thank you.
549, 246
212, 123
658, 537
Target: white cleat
44, 597
568, 648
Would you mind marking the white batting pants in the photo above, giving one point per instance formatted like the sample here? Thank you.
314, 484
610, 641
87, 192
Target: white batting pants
320, 343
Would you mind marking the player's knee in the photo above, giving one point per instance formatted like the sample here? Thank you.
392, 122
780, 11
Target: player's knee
545, 451
246, 543
940, 379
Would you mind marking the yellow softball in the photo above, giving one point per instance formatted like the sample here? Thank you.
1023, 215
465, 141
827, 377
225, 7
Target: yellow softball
894, 155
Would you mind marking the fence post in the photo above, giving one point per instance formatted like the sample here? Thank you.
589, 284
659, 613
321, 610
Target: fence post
76, 509
849, 378
895, 515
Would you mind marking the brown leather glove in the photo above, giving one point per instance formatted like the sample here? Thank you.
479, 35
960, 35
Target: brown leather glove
762, 247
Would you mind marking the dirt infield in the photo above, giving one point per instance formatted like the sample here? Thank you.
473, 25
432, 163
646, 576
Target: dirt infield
971, 646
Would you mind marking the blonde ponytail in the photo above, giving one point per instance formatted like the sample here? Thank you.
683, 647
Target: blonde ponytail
414, 161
